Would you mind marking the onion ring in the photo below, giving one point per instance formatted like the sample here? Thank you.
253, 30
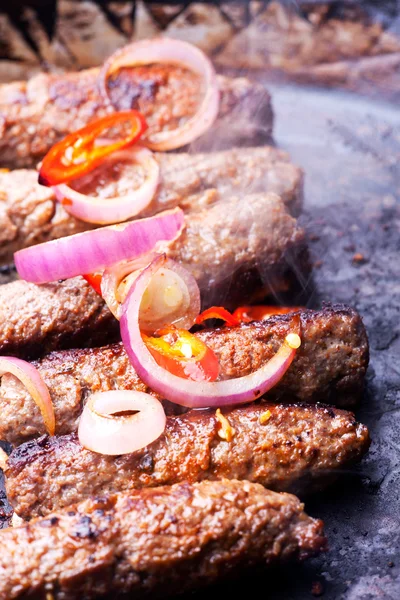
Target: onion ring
94, 250
189, 393
33, 381
100, 430
114, 210
172, 298
169, 51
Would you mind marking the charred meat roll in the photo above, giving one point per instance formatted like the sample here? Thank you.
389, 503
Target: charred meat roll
155, 542
36, 114
289, 448
30, 214
329, 366
233, 256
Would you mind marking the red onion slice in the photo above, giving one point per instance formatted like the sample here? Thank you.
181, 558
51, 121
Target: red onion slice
114, 210
92, 251
169, 51
186, 392
32, 380
102, 431
113, 277
172, 298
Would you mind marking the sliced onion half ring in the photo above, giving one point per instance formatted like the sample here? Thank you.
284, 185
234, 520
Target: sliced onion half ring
172, 297
114, 210
32, 380
95, 250
172, 52
186, 392
102, 430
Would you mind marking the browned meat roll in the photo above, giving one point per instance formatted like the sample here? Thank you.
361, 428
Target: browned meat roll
290, 448
36, 114
330, 366
234, 258
30, 214
155, 542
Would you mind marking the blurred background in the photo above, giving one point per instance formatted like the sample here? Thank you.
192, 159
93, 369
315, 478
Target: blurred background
342, 43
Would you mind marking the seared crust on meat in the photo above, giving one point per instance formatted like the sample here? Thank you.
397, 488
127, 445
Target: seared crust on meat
289, 448
222, 245
155, 542
36, 319
329, 366
36, 114
238, 247
30, 214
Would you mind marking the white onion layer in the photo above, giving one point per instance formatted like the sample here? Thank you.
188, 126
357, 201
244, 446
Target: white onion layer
172, 297
104, 432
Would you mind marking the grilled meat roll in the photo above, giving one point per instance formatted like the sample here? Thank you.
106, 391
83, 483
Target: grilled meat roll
30, 214
287, 448
36, 114
329, 366
155, 542
233, 257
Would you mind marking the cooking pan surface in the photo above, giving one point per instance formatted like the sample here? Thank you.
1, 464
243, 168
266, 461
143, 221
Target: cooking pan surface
349, 148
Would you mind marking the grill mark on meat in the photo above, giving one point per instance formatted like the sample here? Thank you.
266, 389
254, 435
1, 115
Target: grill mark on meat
166, 96
334, 375
157, 542
221, 245
50, 473
29, 213
48, 107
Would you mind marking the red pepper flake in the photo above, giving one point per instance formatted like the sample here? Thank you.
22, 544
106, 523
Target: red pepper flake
225, 431
94, 279
265, 417
317, 589
359, 258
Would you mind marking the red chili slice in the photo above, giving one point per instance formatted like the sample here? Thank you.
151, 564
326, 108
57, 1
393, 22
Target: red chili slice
94, 279
246, 314
218, 312
183, 354
78, 154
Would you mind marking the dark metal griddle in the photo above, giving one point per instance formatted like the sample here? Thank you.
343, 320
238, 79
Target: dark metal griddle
349, 148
